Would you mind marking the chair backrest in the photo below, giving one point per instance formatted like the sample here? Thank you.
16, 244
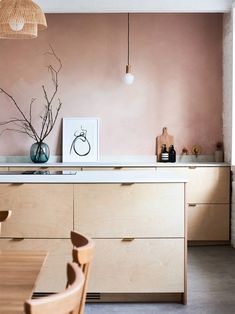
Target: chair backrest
82, 255
4, 215
66, 302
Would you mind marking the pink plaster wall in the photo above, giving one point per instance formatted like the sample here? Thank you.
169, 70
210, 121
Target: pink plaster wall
177, 63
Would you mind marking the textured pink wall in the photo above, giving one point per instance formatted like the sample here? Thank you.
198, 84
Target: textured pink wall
177, 63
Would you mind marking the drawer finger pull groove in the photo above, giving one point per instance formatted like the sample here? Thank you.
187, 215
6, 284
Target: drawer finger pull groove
128, 239
17, 239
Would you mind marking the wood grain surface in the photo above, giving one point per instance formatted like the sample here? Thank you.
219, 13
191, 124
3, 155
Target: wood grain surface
18, 274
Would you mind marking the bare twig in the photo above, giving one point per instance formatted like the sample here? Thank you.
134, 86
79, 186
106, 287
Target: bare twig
49, 117
30, 109
11, 121
17, 131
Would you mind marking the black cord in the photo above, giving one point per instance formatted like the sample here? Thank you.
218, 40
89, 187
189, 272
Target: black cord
128, 40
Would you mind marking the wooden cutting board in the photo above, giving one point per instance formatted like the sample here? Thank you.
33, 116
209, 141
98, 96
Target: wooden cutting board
165, 138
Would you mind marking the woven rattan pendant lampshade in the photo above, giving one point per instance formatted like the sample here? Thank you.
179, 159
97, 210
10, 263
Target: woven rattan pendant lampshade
29, 31
20, 19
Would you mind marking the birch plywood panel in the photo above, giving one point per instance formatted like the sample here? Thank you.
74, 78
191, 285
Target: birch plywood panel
208, 185
135, 210
208, 222
140, 266
44, 169
38, 210
27, 169
118, 168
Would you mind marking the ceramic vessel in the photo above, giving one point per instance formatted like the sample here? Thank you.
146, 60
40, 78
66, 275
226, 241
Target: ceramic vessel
219, 156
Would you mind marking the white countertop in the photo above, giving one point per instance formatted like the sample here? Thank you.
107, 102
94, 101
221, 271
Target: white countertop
97, 177
130, 164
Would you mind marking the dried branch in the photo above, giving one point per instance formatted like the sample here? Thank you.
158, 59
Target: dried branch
11, 121
16, 131
49, 117
21, 112
30, 109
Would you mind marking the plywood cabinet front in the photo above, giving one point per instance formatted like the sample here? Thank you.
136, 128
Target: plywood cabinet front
208, 185
139, 266
21, 169
129, 210
118, 168
38, 210
45, 169
208, 198
52, 277
98, 168
138, 229
208, 222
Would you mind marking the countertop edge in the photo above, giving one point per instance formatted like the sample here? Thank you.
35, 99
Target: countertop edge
97, 177
116, 165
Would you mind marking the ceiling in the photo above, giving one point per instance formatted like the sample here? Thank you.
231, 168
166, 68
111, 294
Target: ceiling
118, 6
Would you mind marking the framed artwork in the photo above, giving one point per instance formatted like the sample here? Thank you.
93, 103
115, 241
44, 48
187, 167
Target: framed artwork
80, 139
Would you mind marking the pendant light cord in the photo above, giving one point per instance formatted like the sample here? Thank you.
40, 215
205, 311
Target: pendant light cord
128, 40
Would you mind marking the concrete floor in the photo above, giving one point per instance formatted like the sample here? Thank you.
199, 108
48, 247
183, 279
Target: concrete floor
211, 287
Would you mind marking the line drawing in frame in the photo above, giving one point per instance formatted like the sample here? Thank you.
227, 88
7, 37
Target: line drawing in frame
80, 139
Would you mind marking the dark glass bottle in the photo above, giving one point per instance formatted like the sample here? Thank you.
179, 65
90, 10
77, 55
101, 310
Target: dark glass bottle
164, 154
172, 154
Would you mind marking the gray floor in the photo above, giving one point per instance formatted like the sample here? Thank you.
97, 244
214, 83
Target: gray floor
211, 287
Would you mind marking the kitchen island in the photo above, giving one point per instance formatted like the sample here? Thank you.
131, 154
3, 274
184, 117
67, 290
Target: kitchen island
137, 219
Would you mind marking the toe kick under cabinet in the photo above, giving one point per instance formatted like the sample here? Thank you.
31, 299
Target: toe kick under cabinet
139, 231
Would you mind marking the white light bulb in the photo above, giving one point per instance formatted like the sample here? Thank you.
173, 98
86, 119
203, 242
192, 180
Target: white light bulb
17, 24
128, 78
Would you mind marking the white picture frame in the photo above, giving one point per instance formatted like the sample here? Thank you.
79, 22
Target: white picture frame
80, 139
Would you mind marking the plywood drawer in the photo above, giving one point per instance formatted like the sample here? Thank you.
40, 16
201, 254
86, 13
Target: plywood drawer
182, 171
64, 169
52, 277
44, 169
38, 210
118, 168
208, 185
208, 222
138, 169
136, 210
3, 168
27, 168
97, 168
140, 266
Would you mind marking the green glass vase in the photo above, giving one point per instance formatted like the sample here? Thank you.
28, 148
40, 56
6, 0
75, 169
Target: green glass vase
39, 152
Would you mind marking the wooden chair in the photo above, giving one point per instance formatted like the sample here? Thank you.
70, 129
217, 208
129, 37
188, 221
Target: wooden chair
82, 255
4, 215
66, 302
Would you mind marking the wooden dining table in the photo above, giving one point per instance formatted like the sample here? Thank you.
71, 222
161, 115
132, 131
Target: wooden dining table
18, 275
